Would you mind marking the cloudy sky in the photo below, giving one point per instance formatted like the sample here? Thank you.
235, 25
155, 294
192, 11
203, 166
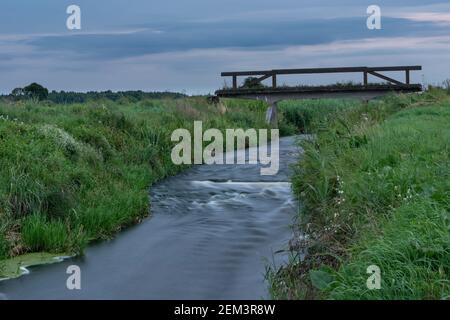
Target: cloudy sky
184, 45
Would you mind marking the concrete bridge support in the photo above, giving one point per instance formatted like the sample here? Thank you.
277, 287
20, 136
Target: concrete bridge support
272, 114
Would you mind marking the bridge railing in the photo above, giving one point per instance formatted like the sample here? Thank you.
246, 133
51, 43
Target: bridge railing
366, 71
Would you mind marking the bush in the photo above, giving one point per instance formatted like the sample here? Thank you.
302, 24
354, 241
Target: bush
252, 83
36, 91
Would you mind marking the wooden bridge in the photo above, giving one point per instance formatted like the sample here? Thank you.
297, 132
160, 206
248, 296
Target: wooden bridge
274, 93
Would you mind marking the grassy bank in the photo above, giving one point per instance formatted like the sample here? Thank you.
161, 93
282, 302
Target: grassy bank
70, 174
375, 186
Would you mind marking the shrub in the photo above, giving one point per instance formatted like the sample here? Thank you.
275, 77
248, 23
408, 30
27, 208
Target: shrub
252, 83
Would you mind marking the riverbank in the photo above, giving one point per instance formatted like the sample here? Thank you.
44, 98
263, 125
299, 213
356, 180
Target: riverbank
375, 189
212, 229
71, 174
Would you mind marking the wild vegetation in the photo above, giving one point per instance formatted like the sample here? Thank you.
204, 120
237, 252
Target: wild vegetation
73, 173
374, 183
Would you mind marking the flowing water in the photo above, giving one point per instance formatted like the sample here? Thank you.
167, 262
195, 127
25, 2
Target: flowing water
212, 232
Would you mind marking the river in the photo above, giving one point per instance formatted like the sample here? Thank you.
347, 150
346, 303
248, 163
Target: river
213, 231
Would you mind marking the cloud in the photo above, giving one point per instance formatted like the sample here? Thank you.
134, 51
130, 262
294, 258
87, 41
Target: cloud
185, 36
198, 70
35, 36
440, 18
151, 46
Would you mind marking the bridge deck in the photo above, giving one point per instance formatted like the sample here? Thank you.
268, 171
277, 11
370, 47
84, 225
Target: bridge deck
254, 89
319, 90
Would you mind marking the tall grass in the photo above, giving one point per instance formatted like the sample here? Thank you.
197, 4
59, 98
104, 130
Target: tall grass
375, 187
73, 173
305, 116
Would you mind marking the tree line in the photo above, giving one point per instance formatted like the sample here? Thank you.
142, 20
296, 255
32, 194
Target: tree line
38, 92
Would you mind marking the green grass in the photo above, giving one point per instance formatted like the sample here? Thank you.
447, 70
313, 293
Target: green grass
70, 174
305, 116
375, 184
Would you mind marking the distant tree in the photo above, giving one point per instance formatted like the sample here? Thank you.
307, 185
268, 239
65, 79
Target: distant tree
252, 83
446, 85
18, 93
36, 91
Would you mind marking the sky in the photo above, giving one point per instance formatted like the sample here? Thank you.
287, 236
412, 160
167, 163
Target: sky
179, 45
